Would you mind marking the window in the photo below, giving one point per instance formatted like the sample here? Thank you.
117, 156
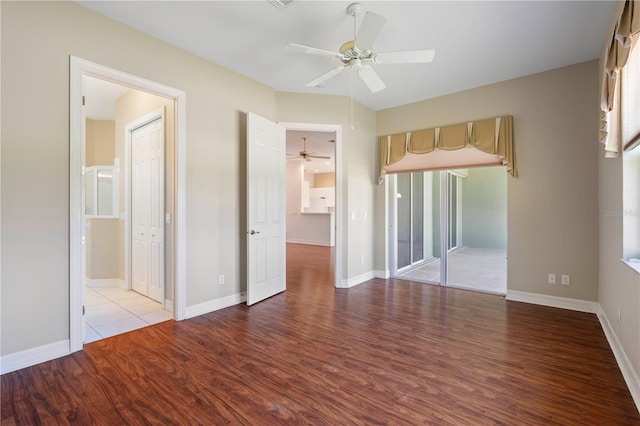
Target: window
630, 127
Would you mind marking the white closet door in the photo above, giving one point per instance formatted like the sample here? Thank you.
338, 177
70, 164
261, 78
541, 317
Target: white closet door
147, 210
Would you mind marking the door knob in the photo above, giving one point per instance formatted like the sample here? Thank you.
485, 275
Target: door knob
254, 232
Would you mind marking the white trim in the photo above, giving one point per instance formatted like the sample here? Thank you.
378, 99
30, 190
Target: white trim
626, 368
180, 237
107, 282
78, 69
168, 305
553, 301
338, 210
76, 205
309, 242
635, 266
216, 304
29, 357
354, 281
382, 274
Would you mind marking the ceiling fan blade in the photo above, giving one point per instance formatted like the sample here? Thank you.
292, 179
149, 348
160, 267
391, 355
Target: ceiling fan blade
407, 57
293, 47
369, 30
326, 76
371, 78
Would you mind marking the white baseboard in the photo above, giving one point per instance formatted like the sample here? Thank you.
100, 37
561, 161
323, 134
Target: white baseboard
354, 281
29, 357
310, 242
553, 301
214, 305
106, 282
168, 305
382, 274
629, 374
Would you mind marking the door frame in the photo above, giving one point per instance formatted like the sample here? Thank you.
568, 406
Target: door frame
158, 114
337, 128
79, 68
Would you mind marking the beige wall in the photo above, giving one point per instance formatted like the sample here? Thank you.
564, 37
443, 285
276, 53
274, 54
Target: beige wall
619, 284
103, 241
324, 180
102, 238
131, 106
100, 142
39, 36
553, 205
358, 155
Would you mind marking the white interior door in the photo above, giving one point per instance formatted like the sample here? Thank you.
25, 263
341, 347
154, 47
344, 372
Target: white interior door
147, 210
266, 203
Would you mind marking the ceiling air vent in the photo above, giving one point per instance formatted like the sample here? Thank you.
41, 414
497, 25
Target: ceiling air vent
279, 4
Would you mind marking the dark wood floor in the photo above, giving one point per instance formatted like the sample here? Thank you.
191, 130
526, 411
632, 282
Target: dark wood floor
384, 352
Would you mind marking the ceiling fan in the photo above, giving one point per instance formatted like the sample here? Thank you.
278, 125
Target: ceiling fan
307, 156
357, 54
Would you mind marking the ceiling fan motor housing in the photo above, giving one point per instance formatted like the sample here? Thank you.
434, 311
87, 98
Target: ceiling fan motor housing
349, 52
354, 9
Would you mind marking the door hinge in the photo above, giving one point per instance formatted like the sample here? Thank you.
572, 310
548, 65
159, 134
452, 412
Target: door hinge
82, 309
83, 101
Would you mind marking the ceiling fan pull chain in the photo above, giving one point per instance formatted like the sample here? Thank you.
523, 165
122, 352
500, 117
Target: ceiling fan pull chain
351, 97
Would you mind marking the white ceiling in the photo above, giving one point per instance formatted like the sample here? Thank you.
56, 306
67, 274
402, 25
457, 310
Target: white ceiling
101, 97
476, 42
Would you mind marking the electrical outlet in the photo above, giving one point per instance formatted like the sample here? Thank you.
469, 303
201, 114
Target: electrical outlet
619, 315
362, 260
221, 279
566, 280
552, 279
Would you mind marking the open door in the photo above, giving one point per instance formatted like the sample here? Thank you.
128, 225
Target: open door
266, 203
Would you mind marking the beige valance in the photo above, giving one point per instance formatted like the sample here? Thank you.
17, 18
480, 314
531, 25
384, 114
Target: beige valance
483, 142
616, 57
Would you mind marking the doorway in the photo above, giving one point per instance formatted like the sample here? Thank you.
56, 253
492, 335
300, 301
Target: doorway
125, 209
171, 218
311, 202
313, 195
450, 227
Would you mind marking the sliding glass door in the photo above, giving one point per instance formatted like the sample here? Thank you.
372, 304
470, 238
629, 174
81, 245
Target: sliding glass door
449, 227
454, 191
416, 196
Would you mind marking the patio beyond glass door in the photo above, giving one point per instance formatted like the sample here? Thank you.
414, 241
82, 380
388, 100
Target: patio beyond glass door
477, 258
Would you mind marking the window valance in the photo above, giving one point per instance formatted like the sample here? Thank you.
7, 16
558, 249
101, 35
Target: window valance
476, 143
615, 59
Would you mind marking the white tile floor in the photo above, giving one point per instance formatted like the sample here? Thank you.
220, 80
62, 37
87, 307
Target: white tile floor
471, 267
112, 310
